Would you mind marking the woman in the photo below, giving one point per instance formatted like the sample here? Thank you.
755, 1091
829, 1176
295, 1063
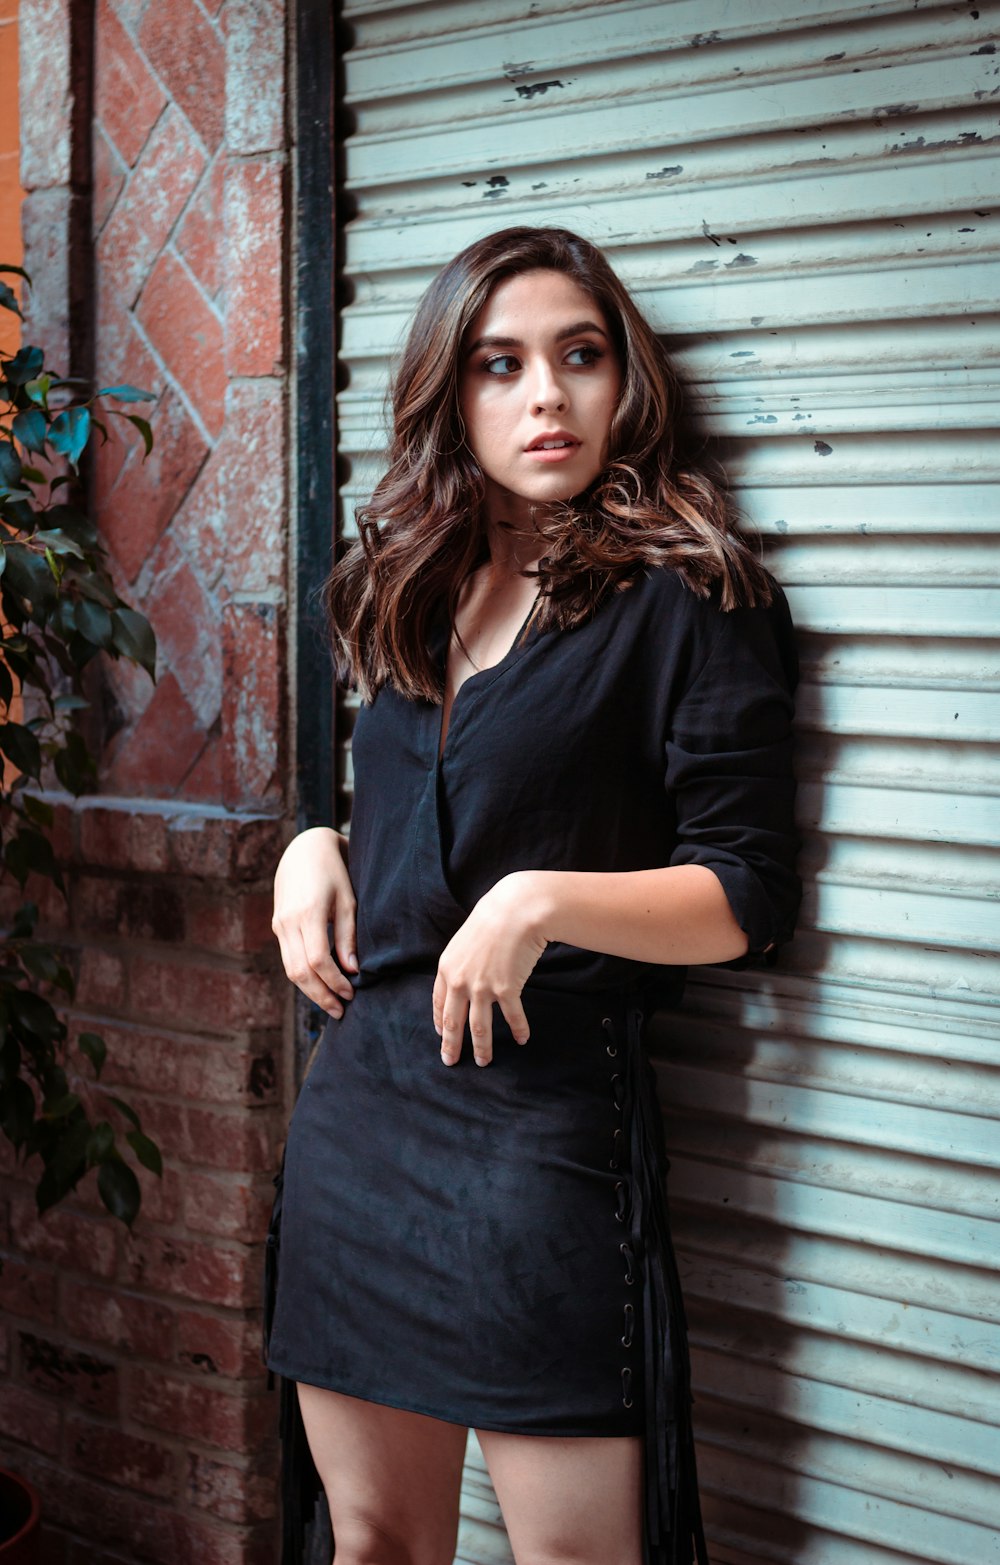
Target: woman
572, 782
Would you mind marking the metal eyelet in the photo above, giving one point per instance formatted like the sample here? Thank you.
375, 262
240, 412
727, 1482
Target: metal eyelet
626, 1388
617, 1090
621, 1193
609, 1028
629, 1326
616, 1149
626, 1251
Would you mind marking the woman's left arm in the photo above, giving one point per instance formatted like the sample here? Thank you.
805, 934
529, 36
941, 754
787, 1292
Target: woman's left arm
677, 916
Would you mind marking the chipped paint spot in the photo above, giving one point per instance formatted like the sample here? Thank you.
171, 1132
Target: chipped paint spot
741, 260
893, 110
744, 353
498, 183
821, 448
700, 39
709, 235
703, 266
542, 185
986, 48
763, 418
667, 171
470, 184
536, 89
781, 525
828, 59
516, 72
756, 320
966, 230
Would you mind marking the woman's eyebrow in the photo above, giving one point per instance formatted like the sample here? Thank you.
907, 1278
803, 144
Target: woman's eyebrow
515, 342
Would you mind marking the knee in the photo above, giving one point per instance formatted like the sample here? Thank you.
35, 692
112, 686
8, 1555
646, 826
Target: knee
360, 1541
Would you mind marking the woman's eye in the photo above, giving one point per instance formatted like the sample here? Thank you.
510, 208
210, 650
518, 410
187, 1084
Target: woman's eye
586, 353
503, 364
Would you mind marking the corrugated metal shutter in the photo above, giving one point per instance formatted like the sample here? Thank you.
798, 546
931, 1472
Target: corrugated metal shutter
800, 195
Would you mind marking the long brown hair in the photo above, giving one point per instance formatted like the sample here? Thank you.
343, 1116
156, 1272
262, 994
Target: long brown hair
424, 530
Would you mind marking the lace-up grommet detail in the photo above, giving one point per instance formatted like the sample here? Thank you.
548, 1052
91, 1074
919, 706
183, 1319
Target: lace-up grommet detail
617, 1090
621, 1197
616, 1149
612, 1044
629, 1331
629, 1258
626, 1388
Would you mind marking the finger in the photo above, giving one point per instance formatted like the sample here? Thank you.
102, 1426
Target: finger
303, 976
513, 1012
345, 941
481, 1028
454, 1012
437, 1003
315, 937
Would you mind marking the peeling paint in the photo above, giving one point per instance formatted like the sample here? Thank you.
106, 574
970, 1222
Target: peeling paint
667, 171
741, 260
700, 39
781, 526
709, 235
821, 448
516, 72
536, 89
986, 48
763, 418
756, 320
828, 59
542, 185
744, 353
703, 266
498, 184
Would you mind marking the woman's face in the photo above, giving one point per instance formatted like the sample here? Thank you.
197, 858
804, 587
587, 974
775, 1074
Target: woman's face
538, 386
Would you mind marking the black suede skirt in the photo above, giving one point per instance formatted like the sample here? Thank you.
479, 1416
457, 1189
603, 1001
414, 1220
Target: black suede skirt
487, 1246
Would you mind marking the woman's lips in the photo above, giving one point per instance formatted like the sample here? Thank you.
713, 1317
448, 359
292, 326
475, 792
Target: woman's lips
553, 453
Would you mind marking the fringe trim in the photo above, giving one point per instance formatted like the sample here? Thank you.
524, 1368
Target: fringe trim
674, 1534
300, 1482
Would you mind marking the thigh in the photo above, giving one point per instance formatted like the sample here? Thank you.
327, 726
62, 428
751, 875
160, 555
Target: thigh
392, 1479
576, 1501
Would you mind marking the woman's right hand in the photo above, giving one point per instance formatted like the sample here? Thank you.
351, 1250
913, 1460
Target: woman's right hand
312, 890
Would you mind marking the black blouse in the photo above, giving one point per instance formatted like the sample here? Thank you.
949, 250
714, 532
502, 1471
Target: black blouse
657, 733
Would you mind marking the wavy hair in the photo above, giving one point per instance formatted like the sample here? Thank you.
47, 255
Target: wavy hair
422, 533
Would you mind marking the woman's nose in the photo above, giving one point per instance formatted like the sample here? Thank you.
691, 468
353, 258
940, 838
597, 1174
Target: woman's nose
547, 394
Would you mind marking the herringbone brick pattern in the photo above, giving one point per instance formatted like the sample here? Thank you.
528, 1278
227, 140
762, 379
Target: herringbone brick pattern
190, 176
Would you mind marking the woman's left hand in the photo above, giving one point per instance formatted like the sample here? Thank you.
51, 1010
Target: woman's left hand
490, 959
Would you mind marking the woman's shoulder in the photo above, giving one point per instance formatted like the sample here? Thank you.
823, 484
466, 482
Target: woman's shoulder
679, 620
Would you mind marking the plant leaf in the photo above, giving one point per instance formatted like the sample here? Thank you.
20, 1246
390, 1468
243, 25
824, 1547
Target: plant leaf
8, 299
58, 1108
69, 432
21, 747
145, 430
146, 1151
94, 623
126, 394
10, 465
119, 1190
38, 391
92, 1045
134, 639
100, 1143
127, 1110
30, 428
61, 543
38, 810
24, 366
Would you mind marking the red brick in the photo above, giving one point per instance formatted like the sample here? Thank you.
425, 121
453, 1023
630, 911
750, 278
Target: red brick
153, 757
30, 1419
69, 1239
123, 836
216, 998
230, 1492
230, 1208
203, 783
236, 1142
69, 1372
205, 1272
227, 521
187, 333
109, 177
101, 984
199, 238
255, 313
223, 846
123, 360
147, 210
128, 909
139, 1058
140, 1327
227, 1345
120, 1457
27, 1290
186, 624
230, 921
229, 1073
232, 1421
136, 512
187, 54
253, 706
255, 76
128, 99
44, 72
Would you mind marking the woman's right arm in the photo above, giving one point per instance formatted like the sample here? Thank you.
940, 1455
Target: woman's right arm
312, 891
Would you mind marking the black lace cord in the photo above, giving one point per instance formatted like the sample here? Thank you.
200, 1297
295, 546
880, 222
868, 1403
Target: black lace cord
300, 1482
674, 1530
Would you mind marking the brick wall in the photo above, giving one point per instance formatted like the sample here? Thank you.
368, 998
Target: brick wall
133, 1393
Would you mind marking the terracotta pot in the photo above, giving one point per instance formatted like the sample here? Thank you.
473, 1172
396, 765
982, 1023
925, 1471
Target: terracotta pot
20, 1514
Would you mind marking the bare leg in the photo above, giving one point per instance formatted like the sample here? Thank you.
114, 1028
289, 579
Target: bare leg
568, 1501
392, 1479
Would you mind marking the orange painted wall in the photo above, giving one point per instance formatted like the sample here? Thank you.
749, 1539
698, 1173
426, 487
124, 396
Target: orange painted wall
10, 184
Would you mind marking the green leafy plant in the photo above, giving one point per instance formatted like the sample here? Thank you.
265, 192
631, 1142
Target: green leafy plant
58, 611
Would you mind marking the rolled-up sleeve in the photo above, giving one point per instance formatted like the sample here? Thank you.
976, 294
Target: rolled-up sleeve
729, 770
